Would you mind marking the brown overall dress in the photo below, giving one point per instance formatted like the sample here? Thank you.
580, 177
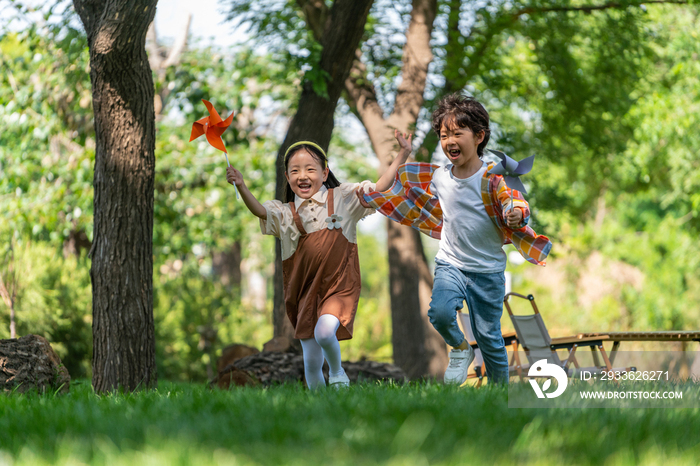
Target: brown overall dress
322, 276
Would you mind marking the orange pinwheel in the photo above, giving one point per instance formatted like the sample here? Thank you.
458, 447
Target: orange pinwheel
213, 126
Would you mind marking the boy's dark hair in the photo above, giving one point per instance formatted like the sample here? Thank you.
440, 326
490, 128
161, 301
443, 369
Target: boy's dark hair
331, 180
466, 112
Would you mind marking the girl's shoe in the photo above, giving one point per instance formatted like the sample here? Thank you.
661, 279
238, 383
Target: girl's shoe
339, 381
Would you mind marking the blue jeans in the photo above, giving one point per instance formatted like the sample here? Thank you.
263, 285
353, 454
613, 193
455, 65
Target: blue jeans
484, 294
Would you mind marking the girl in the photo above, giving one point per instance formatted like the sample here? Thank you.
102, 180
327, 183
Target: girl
321, 270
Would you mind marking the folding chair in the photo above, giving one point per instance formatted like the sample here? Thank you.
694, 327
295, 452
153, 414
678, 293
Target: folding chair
534, 338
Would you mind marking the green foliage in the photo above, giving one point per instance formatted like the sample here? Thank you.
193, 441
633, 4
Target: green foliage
54, 300
607, 276
633, 204
187, 305
558, 84
281, 27
366, 424
382, 47
663, 156
46, 151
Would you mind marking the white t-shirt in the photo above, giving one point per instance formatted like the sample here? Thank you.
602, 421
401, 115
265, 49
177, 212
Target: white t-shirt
470, 241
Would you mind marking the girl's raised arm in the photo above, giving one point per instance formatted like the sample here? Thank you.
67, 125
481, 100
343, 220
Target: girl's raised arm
387, 177
235, 177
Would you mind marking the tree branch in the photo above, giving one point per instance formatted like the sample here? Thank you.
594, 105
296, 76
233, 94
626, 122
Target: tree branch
416, 60
460, 79
159, 63
453, 82
179, 45
155, 59
364, 100
9, 292
4, 293
409, 98
316, 14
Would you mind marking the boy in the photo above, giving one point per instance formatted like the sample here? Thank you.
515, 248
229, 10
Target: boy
470, 263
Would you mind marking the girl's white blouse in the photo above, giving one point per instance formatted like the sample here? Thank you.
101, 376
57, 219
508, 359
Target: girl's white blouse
313, 214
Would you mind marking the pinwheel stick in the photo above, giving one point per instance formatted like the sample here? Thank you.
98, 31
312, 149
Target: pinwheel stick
511, 200
234, 186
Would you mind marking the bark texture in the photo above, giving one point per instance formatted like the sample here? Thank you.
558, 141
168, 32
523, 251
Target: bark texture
339, 30
122, 258
418, 348
30, 363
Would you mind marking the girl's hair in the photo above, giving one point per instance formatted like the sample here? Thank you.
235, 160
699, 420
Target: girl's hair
465, 112
318, 154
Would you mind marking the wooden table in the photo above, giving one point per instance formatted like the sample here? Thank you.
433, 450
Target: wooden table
595, 340
510, 338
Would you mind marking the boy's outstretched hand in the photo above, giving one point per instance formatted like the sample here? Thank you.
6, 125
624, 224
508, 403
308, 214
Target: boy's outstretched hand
514, 217
404, 141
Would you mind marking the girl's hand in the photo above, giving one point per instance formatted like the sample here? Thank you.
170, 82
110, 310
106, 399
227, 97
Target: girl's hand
514, 217
233, 176
360, 192
404, 140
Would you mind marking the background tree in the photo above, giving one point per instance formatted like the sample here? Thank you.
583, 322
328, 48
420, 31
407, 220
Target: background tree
418, 348
122, 248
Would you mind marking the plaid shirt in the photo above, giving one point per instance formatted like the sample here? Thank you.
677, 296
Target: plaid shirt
410, 202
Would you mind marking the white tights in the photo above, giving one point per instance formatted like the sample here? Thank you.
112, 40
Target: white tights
324, 344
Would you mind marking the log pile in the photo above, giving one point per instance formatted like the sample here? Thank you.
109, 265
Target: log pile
29, 363
373, 371
233, 353
233, 376
272, 368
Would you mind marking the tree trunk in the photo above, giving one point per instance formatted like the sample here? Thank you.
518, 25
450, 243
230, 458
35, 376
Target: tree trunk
122, 257
339, 31
227, 265
76, 243
418, 349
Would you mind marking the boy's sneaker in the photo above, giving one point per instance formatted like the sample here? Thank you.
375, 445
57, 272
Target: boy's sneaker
460, 360
339, 381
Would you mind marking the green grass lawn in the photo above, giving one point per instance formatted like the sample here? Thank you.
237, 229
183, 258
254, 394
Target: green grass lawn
367, 424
